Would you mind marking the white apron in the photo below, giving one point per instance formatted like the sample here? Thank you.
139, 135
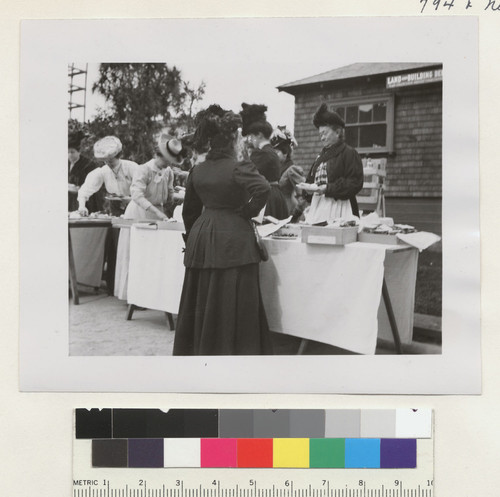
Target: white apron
326, 209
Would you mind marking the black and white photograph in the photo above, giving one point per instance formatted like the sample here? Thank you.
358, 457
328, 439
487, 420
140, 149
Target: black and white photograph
352, 186
245, 194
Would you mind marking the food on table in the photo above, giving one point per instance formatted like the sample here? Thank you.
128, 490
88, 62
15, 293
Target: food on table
93, 215
384, 229
342, 223
287, 232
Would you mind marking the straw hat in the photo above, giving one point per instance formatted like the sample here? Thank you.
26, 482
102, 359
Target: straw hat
170, 148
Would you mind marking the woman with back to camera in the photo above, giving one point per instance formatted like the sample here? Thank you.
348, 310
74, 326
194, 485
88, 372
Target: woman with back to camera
221, 310
258, 131
337, 173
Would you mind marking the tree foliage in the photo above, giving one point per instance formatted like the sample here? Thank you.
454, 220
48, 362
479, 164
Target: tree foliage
142, 99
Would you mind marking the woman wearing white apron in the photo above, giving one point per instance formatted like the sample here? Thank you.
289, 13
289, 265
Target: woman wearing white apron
336, 175
152, 192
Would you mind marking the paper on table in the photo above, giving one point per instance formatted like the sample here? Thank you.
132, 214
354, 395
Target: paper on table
420, 240
269, 229
260, 216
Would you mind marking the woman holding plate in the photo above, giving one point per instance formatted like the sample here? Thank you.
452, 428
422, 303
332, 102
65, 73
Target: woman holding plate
116, 174
336, 175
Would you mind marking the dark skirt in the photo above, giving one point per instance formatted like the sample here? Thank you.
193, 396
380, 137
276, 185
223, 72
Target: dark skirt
221, 313
276, 204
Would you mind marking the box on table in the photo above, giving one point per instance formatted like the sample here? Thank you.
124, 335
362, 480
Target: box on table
327, 235
384, 238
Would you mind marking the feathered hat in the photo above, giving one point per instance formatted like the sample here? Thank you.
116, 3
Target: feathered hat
325, 117
254, 120
281, 135
215, 128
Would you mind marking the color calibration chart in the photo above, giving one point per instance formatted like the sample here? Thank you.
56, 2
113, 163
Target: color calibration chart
253, 453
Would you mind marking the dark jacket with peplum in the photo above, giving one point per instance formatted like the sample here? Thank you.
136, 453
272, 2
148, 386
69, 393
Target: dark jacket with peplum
222, 195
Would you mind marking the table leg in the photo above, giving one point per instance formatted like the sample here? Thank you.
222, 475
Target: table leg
302, 346
170, 319
392, 318
130, 311
72, 272
110, 258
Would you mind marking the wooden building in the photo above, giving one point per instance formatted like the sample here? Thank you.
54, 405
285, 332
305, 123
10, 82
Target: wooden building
392, 111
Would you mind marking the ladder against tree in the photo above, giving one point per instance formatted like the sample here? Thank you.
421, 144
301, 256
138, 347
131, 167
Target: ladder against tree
371, 197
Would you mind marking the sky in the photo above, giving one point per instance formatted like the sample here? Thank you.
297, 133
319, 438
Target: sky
244, 60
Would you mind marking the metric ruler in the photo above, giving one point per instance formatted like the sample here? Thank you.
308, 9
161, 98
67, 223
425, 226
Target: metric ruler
336, 486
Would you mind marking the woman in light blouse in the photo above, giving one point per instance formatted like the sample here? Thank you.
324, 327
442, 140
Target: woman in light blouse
116, 174
153, 195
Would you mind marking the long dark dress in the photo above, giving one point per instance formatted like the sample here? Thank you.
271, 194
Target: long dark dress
221, 310
268, 164
77, 176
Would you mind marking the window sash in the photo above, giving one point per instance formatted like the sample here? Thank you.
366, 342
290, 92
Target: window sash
388, 100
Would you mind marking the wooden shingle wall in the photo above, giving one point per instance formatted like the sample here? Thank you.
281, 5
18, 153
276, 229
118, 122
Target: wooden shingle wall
414, 169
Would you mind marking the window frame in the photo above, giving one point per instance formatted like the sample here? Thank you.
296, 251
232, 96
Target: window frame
389, 120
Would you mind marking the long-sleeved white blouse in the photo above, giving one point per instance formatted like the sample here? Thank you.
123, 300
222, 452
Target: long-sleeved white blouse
152, 185
116, 181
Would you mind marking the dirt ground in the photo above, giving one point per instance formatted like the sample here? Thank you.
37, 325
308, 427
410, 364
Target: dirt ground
98, 327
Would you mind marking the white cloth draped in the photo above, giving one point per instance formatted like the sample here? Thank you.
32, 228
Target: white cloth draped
332, 294
156, 269
325, 293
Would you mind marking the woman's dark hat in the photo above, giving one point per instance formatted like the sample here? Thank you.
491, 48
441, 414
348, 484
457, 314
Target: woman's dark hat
281, 136
75, 139
254, 120
325, 117
215, 128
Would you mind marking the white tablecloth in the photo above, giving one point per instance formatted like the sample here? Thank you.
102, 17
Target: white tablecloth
88, 251
156, 269
325, 293
332, 294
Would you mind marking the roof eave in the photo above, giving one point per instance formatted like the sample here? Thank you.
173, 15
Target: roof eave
295, 88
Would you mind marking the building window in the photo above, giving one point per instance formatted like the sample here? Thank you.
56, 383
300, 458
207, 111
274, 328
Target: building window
369, 123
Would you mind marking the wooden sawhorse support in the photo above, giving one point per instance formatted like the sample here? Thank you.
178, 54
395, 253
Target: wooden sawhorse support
133, 307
